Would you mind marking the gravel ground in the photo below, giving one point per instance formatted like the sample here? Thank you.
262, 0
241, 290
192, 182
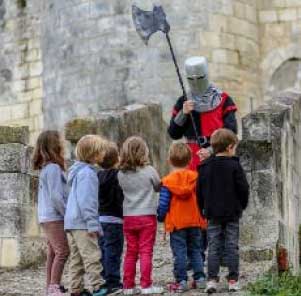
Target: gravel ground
32, 281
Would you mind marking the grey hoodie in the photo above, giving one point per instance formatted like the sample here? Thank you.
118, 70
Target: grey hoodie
82, 205
52, 194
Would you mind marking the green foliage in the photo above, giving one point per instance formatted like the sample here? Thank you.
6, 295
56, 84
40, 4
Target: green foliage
274, 285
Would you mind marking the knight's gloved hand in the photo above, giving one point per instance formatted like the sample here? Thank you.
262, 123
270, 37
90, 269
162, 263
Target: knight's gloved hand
188, 106
204, 153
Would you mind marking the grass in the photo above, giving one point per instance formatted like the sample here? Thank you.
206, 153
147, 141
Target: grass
274, 285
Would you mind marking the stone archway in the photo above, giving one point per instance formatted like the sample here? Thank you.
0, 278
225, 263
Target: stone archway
275, 64
286, 77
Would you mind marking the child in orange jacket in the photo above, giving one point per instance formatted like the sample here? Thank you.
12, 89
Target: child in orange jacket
179, 210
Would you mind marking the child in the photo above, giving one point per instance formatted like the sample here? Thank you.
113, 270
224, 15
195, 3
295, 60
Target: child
49, 158
138, 181
81, 219
110, 210
179, 209
223, 193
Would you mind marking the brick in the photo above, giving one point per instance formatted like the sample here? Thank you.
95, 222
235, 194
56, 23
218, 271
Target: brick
268, 16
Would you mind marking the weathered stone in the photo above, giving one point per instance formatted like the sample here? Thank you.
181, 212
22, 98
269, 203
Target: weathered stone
270, 153
15, 188
142, 120
10, 134
257, 255
14, 157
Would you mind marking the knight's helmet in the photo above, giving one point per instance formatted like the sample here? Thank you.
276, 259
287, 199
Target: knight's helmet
196, 69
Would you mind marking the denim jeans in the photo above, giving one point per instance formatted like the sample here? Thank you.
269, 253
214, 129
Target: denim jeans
111, 244
183, 243
223, 242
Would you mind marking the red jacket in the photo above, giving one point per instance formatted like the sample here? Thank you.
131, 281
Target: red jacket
207, 122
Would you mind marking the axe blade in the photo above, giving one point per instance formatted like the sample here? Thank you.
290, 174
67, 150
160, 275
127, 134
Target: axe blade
149, 22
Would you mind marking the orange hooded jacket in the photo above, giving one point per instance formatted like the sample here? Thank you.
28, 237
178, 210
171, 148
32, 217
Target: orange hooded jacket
183, 210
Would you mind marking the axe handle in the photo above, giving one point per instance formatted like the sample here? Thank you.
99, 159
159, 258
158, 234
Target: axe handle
183, 88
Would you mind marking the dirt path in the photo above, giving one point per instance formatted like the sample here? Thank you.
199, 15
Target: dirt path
32, 281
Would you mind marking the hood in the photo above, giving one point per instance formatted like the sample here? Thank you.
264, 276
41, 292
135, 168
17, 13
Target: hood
181, 183
74, 170
107, 177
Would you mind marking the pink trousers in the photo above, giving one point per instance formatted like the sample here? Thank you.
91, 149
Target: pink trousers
57, 252
140, 235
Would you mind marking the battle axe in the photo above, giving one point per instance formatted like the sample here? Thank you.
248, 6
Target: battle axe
149, 22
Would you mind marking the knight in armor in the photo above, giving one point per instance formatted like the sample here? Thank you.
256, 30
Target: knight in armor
210, 107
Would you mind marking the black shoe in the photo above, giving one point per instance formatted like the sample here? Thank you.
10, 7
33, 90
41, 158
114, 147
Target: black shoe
85, 293
115, 290
63, 289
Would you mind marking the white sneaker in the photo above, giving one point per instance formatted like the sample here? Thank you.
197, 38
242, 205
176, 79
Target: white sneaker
152, 290
233, 286
211, 287
54, 290
133, 291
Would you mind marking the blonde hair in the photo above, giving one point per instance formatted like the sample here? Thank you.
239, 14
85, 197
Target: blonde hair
134, 153
89, 147
111, 157
179, 155
221, 139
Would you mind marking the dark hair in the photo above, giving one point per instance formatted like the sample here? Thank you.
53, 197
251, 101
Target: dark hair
49, 148
134, 154
221, 139
179, 155
111, 157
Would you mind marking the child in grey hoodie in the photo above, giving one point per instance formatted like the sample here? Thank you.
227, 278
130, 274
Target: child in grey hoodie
81, 219
49, 159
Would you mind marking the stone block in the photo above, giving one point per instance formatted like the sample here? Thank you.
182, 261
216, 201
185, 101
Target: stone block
268, 16
224, 56
19, 111
287, 15
35, 107
15, 188
32, 252
10, 220
10, 253
10, 134
35, 69
239, 10
137, 119
14, 157
253, 255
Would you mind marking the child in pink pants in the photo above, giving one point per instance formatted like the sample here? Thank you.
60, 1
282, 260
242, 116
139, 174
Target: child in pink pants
139, 181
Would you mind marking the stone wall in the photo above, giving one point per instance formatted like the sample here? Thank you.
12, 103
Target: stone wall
280, 43
20, 239
117, 125
20, 64
94, 60
271, 155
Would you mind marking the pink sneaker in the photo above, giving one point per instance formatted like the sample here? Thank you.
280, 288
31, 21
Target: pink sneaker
54, 290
